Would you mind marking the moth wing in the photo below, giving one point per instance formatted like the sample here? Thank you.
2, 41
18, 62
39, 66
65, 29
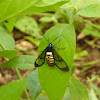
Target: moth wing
59, 62
41, 59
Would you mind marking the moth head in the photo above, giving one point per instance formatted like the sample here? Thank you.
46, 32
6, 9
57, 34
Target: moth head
50, 45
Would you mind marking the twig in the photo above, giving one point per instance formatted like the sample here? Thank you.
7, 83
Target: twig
19, 76
87, 63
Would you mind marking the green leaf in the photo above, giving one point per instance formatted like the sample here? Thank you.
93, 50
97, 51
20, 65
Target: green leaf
10, 24
77, 90
67, 95
87, 8
70, 4
39, 8
14, 8
46, 19
42, 3
52, 1
80, 53
90, 9
53, 80
90, 29
13, 90
22, 62
42, 97
11, 8
33, 84
93, 95
9, 53
95, 88
28, 25
87, 3
6, 41
1, 24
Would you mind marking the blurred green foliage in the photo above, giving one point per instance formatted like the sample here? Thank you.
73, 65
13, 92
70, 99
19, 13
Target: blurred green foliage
50, 13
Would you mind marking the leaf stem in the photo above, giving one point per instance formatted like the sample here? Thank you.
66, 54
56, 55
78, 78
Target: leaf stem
74, 9
19, 76
71, 20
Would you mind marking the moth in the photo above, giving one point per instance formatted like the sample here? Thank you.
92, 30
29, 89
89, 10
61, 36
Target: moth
52, 58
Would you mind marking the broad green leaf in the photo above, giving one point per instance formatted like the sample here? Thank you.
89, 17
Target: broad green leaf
13, 90
70, 4
42, 97
88, 3
9, 53
77, 90
6, 41
10, 24
23, 99
1, 24
87, 8
93, 32
90, 29
67, 95
92, 95
47, 19
42, 3
38, 9
53, 80
33, 84
90, 10
95, 88
53, 1
80, 53
11, 8
27, 25
22, 62
81, 4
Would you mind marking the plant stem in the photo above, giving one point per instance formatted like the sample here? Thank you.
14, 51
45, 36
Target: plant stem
17, 72
78, 4
19, 76
71, 20
84, 70
75, 8
87, 63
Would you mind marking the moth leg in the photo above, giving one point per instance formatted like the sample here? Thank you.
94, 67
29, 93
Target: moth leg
57, 42
54, 39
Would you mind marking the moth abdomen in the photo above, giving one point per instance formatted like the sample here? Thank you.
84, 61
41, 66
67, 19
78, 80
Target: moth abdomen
50, 58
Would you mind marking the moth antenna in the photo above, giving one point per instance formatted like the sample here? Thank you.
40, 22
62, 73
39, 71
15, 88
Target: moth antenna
54, 39
45, 38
